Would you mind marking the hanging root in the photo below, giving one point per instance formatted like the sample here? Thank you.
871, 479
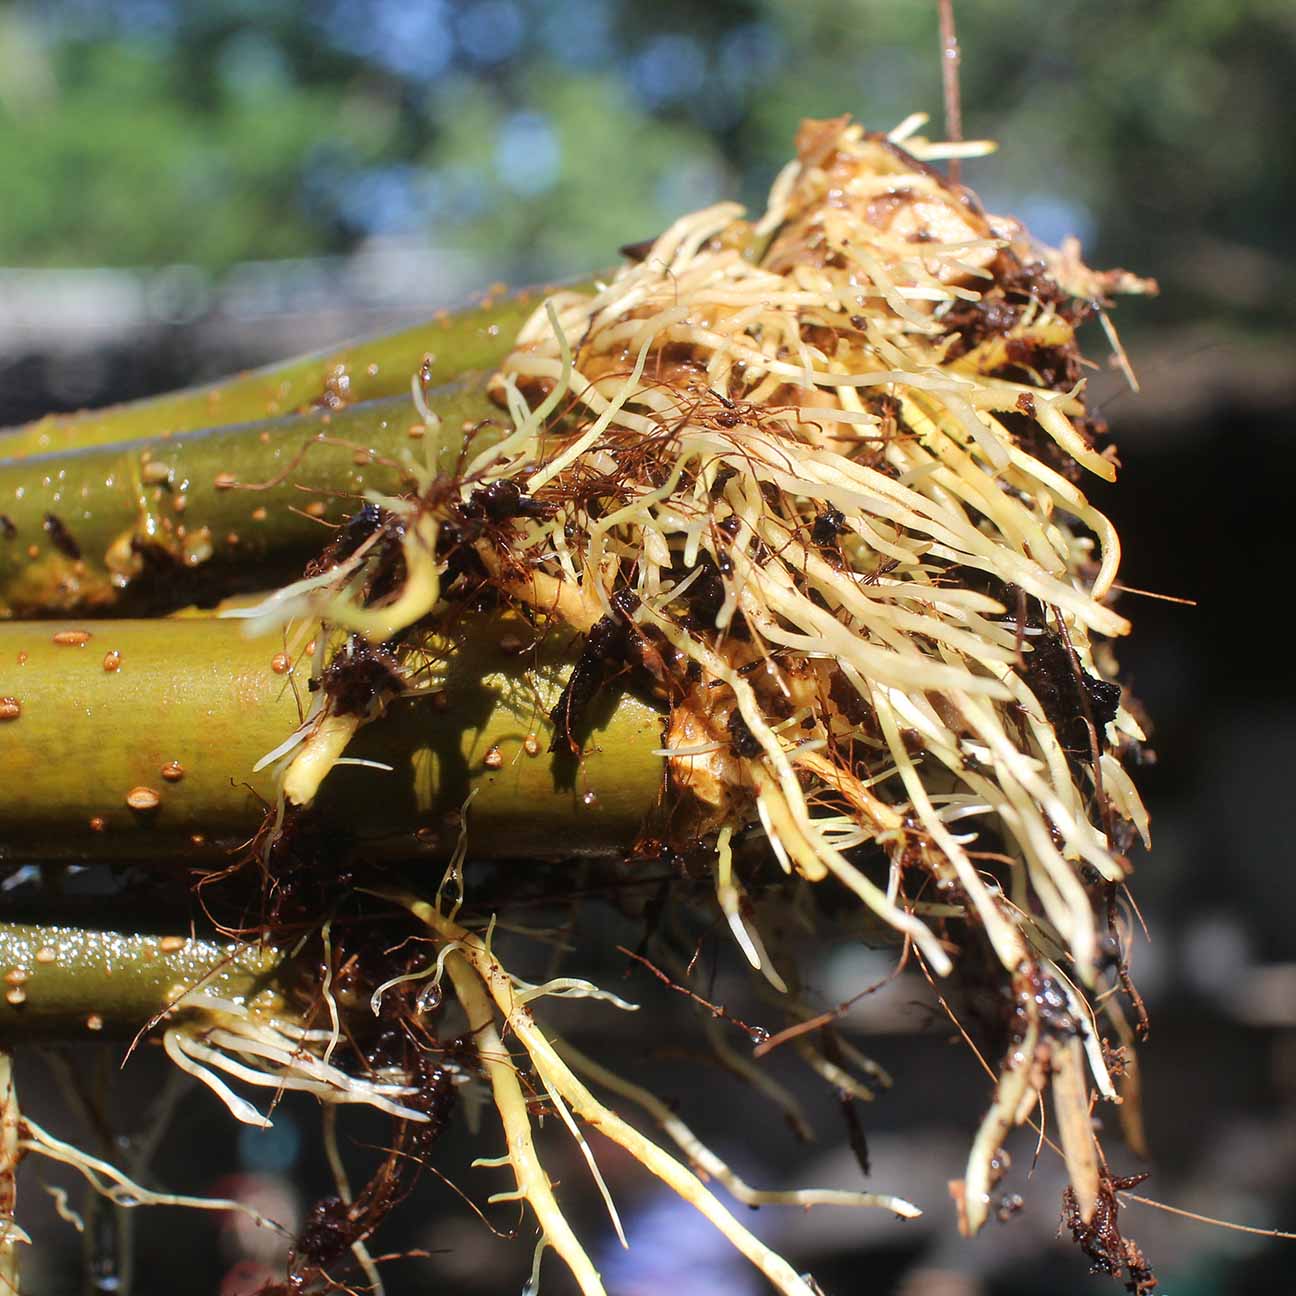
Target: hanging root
510, 1102
343, 1184
478, 978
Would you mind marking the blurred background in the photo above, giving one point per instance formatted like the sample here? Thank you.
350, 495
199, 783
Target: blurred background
194, 187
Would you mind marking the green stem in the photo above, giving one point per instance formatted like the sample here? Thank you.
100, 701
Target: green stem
200, 694
69, 983
142, 525
443, 348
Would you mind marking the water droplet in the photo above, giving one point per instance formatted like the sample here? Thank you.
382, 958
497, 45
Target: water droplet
143, 798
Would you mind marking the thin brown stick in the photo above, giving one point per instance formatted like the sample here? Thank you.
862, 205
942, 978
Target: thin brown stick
950, 59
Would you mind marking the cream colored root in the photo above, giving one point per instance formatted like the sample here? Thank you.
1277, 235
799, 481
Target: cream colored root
532, 1182
119, 1188
556, 1073
1071, 1106
417, 598
319, 752
706, 1161
1014, 1091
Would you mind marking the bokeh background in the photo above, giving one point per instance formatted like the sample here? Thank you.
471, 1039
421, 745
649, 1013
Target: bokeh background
191, 187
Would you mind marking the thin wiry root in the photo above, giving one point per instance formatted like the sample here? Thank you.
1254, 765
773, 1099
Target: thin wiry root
556, 1099
432, 974
62, 1209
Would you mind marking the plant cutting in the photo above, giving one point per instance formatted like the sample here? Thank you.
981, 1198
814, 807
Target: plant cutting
762, 567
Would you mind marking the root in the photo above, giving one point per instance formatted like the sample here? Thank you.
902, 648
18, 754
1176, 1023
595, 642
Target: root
741, 1065
11, 1233
510, 1102
258, 1050
117, 1187
559, 1078
343, 1185
709, 1164
732, 899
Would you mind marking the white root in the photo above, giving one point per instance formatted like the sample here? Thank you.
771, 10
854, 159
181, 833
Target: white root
732, 899
212, 1035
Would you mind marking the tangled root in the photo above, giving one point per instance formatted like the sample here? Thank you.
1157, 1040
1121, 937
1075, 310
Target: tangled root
824, 465
815, 479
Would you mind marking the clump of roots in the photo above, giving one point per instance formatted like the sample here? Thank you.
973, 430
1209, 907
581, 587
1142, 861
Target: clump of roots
814, 479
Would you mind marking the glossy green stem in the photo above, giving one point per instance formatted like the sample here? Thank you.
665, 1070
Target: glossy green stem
144, 526
445, 347
80, 739
68, 983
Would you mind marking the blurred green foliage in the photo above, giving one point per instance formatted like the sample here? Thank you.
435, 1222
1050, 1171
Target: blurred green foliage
539, 134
